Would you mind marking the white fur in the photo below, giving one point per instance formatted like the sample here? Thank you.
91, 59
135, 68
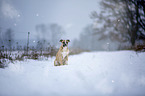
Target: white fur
66, 62
65, 52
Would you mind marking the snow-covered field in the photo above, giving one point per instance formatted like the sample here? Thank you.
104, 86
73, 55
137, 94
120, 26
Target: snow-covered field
120, 73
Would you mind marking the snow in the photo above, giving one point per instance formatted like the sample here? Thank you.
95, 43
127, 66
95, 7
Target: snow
120, 73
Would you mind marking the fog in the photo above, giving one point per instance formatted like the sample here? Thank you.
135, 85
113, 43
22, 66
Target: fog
90, 24
23, 16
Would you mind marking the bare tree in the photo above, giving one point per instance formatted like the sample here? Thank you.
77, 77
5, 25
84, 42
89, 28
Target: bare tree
8, 39
87, 40
1, 41
139, 14
42, 32
49, 34
119, 20
56, 33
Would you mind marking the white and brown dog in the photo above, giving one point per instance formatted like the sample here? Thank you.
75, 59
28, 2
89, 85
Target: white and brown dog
62, 54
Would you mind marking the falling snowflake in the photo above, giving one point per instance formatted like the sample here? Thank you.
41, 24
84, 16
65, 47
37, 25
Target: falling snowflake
37, 14
19, 15
113, 81
127, 26
131, 63
118, 20
15, 24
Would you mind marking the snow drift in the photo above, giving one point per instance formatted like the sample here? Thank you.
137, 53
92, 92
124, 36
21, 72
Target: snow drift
120, 73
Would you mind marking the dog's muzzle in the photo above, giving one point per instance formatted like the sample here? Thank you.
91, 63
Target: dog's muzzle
64, 45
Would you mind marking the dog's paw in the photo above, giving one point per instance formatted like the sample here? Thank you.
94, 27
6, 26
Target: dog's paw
65, 64
56, 63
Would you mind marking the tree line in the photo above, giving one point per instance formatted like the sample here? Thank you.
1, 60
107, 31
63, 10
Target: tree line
120, 21
47, 36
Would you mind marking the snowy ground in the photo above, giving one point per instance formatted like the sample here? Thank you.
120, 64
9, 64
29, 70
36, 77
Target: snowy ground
119, 73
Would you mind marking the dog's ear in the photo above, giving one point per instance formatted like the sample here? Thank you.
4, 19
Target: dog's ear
68, 40
61, 40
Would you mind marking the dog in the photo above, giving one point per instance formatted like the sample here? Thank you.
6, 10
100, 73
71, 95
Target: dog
62, 54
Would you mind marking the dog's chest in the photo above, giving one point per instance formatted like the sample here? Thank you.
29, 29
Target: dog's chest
64, 52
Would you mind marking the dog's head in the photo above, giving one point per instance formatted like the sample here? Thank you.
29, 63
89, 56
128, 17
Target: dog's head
64, 42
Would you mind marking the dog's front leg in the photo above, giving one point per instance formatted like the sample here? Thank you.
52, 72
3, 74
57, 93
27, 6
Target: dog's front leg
61, 62
65, 61
56, 63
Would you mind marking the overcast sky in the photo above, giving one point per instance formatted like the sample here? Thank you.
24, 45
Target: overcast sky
23, 15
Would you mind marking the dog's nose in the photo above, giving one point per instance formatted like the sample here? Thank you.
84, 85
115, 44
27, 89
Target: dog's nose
64, 45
